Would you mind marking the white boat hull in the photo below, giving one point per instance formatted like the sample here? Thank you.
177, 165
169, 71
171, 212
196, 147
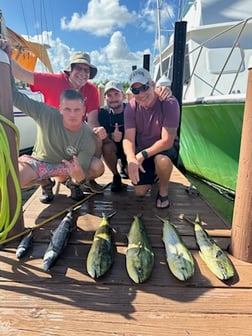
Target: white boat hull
26, 125
27, 130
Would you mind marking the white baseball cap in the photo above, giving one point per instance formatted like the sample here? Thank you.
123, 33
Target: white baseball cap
113, 85
140, 75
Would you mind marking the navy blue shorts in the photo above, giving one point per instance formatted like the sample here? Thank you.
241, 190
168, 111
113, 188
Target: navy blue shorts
149, 166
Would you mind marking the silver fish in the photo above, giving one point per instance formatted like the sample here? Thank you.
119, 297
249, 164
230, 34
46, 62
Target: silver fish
58, 241
24, 245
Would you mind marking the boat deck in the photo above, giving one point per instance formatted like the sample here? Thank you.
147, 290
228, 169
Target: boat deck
66, 301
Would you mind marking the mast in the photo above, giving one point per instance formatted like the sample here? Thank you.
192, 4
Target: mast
180, 10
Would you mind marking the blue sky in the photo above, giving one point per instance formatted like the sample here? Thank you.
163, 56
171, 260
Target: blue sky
116, 33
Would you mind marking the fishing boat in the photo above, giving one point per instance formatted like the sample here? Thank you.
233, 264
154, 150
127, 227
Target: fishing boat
218, 51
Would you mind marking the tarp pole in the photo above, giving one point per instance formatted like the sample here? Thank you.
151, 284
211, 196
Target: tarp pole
241, 237
146, 62
178, 65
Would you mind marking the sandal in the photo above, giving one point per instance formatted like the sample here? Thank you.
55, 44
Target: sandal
162, 199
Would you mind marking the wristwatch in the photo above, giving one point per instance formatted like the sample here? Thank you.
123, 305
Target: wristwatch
145, 154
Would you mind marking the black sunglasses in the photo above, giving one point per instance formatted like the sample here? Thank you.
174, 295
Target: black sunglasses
141, 88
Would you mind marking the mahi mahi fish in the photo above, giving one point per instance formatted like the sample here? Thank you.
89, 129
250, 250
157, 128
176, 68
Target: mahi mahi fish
214, 257
139, 253
24, 245
102, 252
58, 241
178, 257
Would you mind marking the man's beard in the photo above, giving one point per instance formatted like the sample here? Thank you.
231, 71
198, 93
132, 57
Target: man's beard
115, 107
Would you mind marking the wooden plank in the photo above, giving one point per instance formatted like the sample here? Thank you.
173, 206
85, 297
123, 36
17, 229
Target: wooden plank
112, 310
66, 300
72, 265
115, 299
78, 322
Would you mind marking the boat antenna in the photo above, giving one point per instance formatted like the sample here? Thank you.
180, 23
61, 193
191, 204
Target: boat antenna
159, 36
180, 6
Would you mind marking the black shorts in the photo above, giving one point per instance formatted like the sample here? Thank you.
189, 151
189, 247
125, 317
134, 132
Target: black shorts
149, 166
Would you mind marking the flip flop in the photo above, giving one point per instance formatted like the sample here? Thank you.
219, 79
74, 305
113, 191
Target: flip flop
162, 199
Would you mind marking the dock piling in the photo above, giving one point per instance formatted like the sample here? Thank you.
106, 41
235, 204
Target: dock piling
6, 110
241, 237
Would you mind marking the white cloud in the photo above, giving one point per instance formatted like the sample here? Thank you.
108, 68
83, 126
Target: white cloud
117, 49
107, 17
101, 19
149, 15
114, 61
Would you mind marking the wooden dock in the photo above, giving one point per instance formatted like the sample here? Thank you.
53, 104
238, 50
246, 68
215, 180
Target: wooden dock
66, 301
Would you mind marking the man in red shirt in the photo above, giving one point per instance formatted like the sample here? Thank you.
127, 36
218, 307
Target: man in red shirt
76, 76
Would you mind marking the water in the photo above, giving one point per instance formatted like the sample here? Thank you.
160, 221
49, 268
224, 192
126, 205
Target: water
221, 204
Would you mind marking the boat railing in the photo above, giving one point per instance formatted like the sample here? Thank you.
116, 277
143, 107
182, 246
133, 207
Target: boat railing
228, 98
213, 86
228, 58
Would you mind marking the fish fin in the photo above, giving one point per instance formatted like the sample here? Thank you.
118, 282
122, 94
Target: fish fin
197, 219
167, 218
111, 215
188, 220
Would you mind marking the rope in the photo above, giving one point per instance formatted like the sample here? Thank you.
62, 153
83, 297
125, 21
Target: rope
7, 170
47, 220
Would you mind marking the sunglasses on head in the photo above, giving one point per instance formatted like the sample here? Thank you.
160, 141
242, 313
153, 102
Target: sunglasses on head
141, 88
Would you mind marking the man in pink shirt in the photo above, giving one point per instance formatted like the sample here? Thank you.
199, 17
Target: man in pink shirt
150, 139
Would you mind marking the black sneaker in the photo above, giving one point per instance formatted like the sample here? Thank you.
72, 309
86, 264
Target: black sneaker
76, 192
116, 185
123, 173
47, 193
92, 186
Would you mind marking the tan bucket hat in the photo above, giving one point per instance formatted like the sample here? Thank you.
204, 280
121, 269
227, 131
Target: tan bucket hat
84, 58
